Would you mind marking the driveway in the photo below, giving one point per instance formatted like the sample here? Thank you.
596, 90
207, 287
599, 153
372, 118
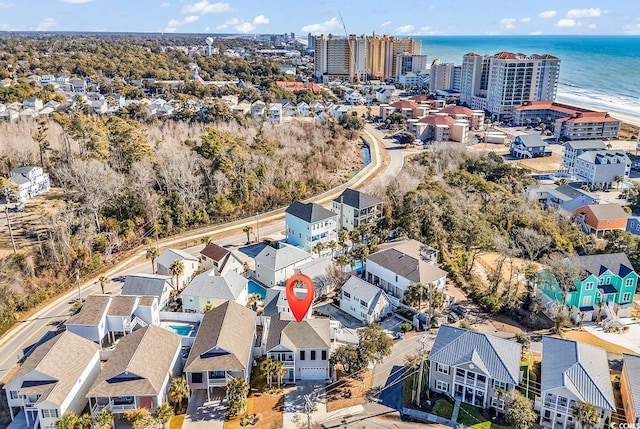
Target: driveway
294, 403
391, 324
205, 415
347, 320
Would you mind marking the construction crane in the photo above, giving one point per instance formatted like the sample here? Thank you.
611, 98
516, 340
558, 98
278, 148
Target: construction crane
351, 50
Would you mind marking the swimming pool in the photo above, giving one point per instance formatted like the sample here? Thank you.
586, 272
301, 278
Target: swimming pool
182, 330
254, 287
356, 267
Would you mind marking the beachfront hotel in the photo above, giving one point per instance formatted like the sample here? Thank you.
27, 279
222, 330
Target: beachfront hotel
499, 83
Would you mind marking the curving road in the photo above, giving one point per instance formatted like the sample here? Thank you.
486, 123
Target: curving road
387, 159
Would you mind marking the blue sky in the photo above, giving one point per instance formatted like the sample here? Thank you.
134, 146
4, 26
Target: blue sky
408, 17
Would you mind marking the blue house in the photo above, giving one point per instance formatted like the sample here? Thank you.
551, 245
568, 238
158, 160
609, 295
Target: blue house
310, 224
633, 225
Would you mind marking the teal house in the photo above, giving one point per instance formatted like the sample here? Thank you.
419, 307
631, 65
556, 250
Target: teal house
607, 279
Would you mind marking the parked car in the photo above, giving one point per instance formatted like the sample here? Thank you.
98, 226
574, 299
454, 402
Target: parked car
459, 310
452, 317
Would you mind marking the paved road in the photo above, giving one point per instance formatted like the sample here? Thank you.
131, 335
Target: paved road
43, 323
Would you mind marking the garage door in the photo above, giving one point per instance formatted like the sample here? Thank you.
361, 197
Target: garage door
313, 373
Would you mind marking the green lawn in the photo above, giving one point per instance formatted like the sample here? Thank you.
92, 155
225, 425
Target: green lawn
471, 416
442, 408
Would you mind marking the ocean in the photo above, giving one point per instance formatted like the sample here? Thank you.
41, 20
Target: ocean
601, 72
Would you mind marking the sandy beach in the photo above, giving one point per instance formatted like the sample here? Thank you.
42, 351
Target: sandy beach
628, 114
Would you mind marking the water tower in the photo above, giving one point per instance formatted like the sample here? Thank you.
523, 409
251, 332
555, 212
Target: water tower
209, 41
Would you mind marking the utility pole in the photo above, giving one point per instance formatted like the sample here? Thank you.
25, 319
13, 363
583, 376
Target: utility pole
13, 242
78, 280
308, 407
257, 227
423, 346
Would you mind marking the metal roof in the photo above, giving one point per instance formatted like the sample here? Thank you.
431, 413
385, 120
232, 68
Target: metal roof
631, 366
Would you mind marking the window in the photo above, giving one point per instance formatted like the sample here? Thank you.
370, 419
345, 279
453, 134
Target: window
196, 377
13, 394
313, 355
324, 355
607, 280
499, 384
302, 353
346, 294
586, 301
626, 297
628, 282
442, 369
442, 386
601, 281
363, 303
588, 285
49, 414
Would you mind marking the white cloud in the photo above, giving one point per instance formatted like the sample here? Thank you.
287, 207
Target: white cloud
525, 19
76, 1
245, 27
221, 27
385, 24
260, 20
46, 24
406, 29
508, 23
233, 21
204, 7
591, 26
592, 12
548, 14
632, 28
173, 24
324, 27
165, 4
568, 23
207, 28
536, 33
4, 5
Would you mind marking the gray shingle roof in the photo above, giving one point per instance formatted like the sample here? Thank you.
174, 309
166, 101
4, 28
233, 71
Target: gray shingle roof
631, 366
357, 199
229, 328
145, 284
605, 157
208, 285
284, 255
20, 180
498, 357
309, 212
23, 170
76, 353
308, 334
363, 290
567, 193
93, 308
611, 211
122, 305
580, 368
407, 266
168, 256
617, 263
531, 140
147, 355
586, 145
215, 252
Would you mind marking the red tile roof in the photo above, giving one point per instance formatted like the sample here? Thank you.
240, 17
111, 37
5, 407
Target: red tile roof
405, 105
457, 110
577, 114
437, 120
298, 86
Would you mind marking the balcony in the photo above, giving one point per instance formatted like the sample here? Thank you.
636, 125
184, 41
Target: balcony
114, 406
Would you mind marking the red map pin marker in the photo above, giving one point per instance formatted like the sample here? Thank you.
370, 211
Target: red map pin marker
299, 306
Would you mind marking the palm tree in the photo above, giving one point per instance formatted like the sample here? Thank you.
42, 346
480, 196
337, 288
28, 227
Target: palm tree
205, 240
599, 304
268, 366
333, 245
343, 236
354, 236
237, 391
280, 371
104, 419
164, 413
581, 317
178, 392
361, 253
68, 420
499, 393
153, 253
177, 268
319, 247
103, 280
414, 294
586, 414
247, 230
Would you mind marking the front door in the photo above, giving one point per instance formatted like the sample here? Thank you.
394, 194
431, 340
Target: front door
291, 375
146, 402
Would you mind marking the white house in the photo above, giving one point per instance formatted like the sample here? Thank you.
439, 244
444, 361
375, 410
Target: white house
209, 289
401, 263
220, 259
277, 262
364, 301
303, 109
275, 113
257, 109
190, 262
149, 284
54, 379
34, 103
138, 373
303, 347
91, 321
309, 224
30, 180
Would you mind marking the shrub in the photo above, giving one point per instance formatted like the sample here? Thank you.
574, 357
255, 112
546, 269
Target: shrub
406, 326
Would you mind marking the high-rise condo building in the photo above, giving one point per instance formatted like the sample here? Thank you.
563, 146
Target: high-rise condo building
444, 76
503, 81
410, 63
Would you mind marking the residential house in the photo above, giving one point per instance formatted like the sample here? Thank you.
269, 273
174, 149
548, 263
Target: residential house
309, 224
401, 263
34, 103
630, 387
166, 259
149, 284
275, 113
597, 219
9, 115
474, 367
223, 347
364, 301
47, 79
99, 107
355, 208
529, 146
242, 108
220, 259
138, 372
316, 270
303, 347
78, 85
607, 279
258, 109
475, 117
573, 149
605, 169
53, 379
288, 108
30, 180
91, 321
303, 109
277, 262
209, 289
573, 372
353, 96
563, 197
633, 225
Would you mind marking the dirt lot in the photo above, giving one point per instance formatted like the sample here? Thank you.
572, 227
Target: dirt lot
489, 262
588, 338
547, 164
349, 392
269, 408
